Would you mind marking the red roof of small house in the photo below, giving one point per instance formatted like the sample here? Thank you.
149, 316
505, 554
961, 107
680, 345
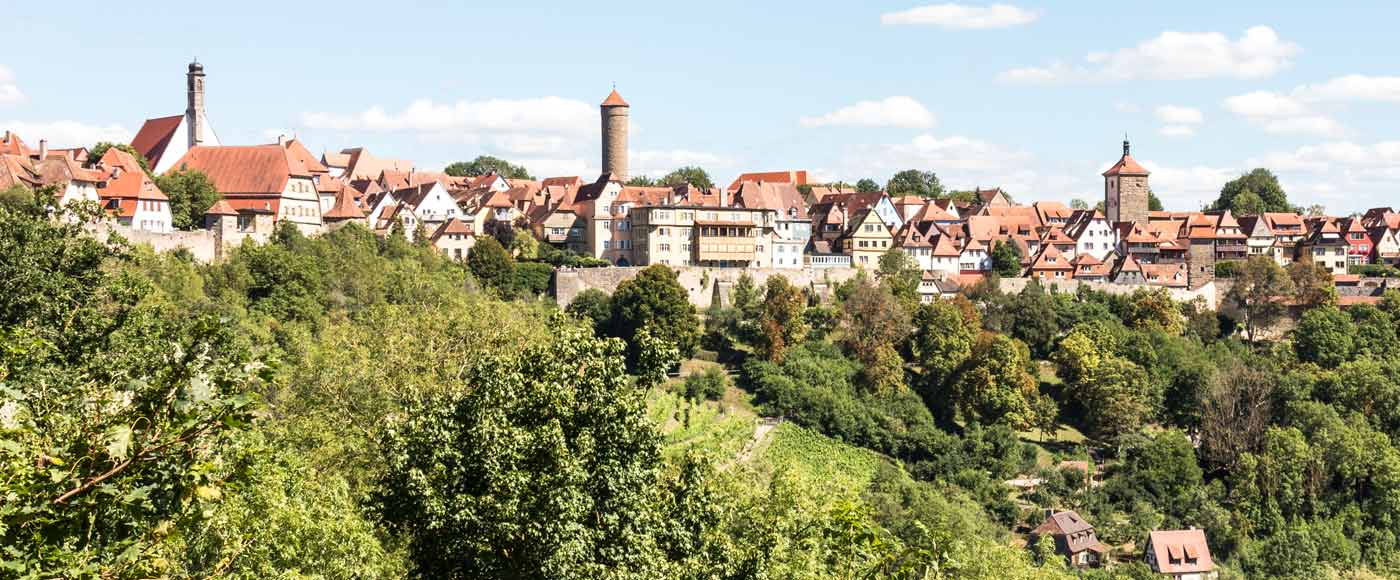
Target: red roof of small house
1180, 552
17, 170
453, 226
944, 246
221, 207
11, 144
796, 177
155, 136
614, 100
345, 207
126, 179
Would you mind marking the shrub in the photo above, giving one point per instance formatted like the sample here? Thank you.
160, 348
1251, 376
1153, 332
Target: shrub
709, 385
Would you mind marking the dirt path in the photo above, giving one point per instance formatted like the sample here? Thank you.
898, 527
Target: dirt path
761, 432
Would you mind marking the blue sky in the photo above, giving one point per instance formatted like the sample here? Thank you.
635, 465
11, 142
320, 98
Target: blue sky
1032, 96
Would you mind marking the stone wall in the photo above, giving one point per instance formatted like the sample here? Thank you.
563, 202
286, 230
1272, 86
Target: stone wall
204, 245
704, 285
1132, 198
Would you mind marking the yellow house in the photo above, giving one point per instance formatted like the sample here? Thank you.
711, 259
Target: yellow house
868, 238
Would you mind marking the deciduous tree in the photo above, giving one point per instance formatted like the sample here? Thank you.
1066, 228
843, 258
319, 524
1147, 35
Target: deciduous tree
915, 182
1257, 293
191, 194
485, 164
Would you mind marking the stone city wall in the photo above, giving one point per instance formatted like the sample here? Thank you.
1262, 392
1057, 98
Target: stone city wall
204, 245
703, 284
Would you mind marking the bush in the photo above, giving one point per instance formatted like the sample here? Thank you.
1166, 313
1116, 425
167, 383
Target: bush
709, 385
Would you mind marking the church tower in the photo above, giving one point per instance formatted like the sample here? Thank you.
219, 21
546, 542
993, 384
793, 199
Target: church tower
194, 110
1125, 190
615, 117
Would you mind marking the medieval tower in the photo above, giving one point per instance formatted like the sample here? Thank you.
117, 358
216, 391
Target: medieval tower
615, 113
194, 111
1125, 190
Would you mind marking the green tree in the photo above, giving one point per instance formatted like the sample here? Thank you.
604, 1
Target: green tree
995, 387
115, 413
485, 164
525, 246
544, 466
942, 340
1006, 259
191, 194
706, 386
867, 185
1155, 309
1115, 397
1248, 203
1263, 184
1255, 295
690, 174
654, 299
915, 182
900, 272
745, 296
1312, 284
100, 148
1324, 336
640, 181
1077, 203
16, 196
592, 305
490, 262
1153, 204
872, 322
780, 321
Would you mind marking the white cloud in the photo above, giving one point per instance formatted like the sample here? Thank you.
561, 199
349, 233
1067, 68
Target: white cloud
961, 162
1349, 176
1177, 131
660, 162
1352, 88
1125, 107
1318, 125
9, 91
65, 133
899, 111
1258, 53
1265, 104
1282, 114
1187, 188
962, 16
546, 114
1178, 115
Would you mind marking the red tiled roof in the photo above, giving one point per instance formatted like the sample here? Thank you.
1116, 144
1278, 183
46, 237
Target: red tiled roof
11, 144
614, 100
253, 169
1181, 552
154, 137
221, 207
126, 179
344, 208
452, 226
1126, 166
797, 177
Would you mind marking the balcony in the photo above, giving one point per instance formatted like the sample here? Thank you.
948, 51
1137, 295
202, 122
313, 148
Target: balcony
729, 241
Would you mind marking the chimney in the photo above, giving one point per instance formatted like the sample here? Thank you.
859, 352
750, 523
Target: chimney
43, 149
116, 172
282, 139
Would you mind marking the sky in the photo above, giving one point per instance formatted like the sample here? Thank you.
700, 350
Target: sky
1034, 97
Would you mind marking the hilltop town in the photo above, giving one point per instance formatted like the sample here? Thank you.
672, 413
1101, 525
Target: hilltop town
761, 220
345, 365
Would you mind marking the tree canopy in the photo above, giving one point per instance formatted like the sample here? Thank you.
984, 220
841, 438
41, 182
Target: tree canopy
915, 182
1252, 193
690, 174
191, 194
485, 164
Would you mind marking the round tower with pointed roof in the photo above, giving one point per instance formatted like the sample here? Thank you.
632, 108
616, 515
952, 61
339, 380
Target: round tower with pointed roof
615, 118
1125, 189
